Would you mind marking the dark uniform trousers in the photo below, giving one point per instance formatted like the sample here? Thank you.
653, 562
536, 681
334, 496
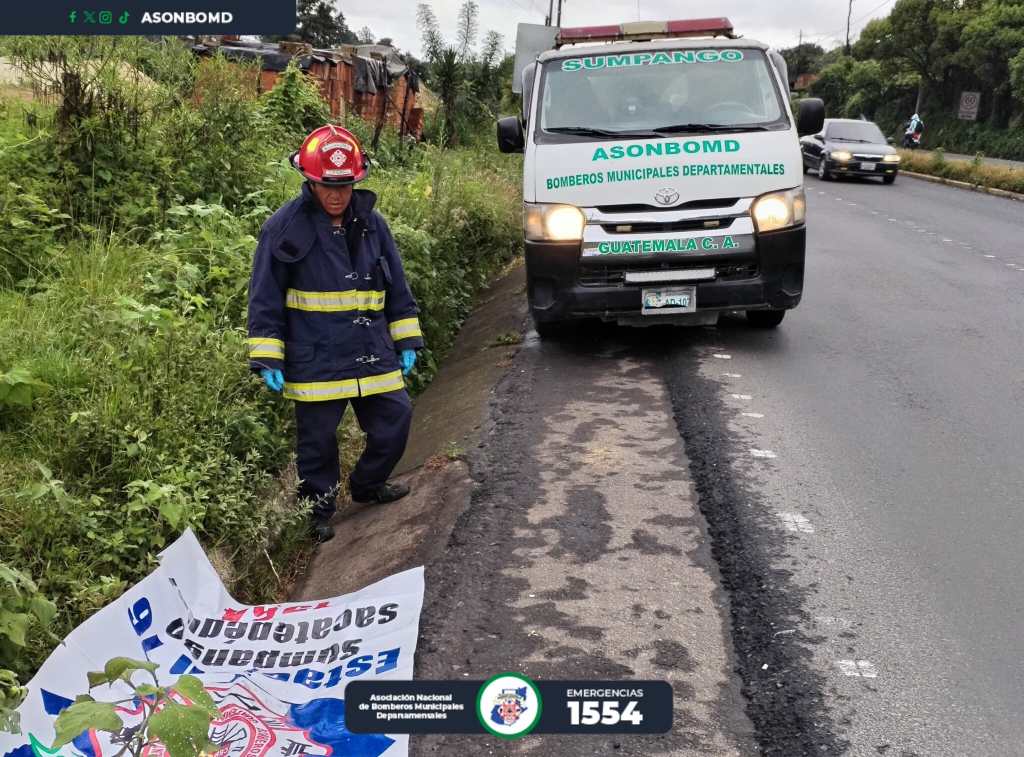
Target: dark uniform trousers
384, 418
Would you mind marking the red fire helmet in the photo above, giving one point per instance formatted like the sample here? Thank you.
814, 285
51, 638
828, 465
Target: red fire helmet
331, 155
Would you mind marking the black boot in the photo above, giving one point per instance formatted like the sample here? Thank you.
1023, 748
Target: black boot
320, 528
380, 495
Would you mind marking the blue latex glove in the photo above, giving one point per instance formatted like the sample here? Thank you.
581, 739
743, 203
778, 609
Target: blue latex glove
274, 379
408, 361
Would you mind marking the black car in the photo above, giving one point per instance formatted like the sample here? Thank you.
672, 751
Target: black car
845, 147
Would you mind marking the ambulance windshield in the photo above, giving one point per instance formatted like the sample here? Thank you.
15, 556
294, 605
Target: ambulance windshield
668, 91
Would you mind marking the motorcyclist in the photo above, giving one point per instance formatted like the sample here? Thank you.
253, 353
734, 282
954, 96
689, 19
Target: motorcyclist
913, 132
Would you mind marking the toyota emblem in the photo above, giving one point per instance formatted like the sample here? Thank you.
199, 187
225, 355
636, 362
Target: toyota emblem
666, 196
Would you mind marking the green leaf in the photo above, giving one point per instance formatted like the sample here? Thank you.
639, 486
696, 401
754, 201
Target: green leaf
172, 511
43, 609
147, 690
82, 716
192, 687
123, 667
183, 730
14, 625
96, 678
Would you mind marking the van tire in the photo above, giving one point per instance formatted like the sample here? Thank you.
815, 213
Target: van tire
765, 319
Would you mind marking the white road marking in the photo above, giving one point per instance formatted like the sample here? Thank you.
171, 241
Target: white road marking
839, 199
1011, 265
991, 256
874, 212
741, 396
752, 415
920, 231
947, 241
893, 220
796, 522
720, 356
852, 203
763, 454
858, 668
732, 375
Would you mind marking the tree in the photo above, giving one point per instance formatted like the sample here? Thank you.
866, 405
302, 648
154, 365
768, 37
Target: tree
803, 59
319, 25
466, 83
430, 31
990, 40
875, 37
1017, 76
469, 14
366, 36
919, 39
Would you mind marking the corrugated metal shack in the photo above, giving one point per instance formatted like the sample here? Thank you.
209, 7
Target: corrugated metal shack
368, 80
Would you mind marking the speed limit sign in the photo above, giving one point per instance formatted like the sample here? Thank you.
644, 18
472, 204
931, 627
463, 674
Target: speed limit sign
969, 102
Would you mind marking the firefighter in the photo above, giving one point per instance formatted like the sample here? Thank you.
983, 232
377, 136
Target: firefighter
332, 322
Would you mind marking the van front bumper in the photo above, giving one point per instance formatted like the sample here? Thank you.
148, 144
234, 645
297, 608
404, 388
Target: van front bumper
561, 288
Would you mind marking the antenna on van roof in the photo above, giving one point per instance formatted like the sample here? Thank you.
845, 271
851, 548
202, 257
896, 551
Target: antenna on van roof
647, 30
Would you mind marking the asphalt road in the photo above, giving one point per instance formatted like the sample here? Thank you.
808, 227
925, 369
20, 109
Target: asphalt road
881, 429
858, 478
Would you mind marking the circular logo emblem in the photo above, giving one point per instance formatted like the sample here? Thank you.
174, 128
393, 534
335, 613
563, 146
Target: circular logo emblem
666, 196
509, 705
338, 158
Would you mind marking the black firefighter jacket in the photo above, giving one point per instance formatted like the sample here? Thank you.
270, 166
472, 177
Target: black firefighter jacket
330, 308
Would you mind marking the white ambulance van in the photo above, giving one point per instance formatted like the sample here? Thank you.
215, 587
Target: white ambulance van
662, 178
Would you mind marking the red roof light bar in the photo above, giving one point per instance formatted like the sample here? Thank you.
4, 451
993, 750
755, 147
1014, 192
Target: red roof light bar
645, 30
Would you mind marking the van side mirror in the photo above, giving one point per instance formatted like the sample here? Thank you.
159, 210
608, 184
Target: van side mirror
810, 116
510, 134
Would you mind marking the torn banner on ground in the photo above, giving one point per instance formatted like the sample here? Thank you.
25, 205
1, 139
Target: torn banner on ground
277, 672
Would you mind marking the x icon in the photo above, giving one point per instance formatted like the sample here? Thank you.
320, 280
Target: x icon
90, 17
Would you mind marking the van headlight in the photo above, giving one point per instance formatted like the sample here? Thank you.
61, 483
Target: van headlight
546, 222
779, 210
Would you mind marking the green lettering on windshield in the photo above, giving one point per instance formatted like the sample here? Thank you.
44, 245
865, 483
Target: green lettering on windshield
649, 59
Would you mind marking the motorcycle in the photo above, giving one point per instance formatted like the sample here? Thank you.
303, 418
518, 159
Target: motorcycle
912, 140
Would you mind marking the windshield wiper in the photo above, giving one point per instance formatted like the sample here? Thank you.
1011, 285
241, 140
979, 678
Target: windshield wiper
588, 131
697, 128
851, 139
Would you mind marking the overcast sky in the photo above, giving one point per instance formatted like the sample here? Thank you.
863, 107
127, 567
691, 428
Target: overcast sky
777, 22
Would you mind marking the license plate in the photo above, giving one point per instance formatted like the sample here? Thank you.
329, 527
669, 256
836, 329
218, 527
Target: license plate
669, 300
868, 166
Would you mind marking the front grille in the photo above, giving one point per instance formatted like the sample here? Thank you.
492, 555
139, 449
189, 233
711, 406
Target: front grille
615, 275
868, 158
692, 205
655, 228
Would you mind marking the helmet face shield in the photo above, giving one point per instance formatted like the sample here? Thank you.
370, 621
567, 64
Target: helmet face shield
331, 155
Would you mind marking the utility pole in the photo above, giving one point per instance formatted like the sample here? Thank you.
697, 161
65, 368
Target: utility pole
551, 12
800, 55
559, 22
849, 13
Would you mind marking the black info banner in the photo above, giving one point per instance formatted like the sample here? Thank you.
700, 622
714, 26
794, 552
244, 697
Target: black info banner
509, 706
149, 17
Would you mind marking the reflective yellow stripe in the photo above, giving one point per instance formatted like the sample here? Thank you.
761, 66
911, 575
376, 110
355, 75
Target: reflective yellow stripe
266, 347
385, 382
332, 302
405, 328
318, 391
